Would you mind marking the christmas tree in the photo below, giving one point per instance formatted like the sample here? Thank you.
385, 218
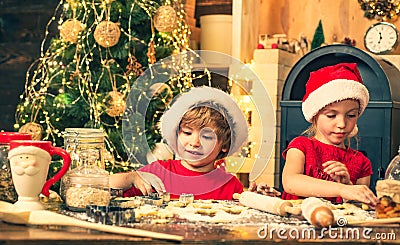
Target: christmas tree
319, 37
92, 61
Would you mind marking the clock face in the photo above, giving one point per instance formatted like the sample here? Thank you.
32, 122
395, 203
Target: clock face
381, 38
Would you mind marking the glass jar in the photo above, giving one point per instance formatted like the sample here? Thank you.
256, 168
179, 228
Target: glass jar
7, 189
87, 184
393, 170
87, 181
77, 140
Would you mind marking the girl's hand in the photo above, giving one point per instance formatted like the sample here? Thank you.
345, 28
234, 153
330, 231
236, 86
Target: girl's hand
338, 171
360, 193
264, 189
145, 182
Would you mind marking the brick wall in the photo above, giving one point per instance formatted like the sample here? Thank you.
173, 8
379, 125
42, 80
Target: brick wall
22, 28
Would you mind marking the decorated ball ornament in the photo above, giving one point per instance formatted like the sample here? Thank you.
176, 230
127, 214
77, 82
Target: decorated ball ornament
260, 46
33, 129
107, 34
70, 29
115, 104
165, 19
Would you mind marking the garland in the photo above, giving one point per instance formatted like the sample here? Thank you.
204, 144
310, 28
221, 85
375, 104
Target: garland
386, 10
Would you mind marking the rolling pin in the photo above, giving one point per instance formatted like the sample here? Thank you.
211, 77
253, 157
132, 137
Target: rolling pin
274, 205
316, 212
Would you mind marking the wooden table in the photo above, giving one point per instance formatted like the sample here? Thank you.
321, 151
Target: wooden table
200, 234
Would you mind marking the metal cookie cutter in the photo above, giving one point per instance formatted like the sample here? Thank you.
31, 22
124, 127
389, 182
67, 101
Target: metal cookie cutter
186, 198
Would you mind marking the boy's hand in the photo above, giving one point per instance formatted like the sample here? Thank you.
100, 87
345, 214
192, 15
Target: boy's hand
145, 182
264, 189
338, 171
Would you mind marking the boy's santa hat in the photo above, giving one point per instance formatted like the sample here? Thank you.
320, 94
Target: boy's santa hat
332, 84
204, 96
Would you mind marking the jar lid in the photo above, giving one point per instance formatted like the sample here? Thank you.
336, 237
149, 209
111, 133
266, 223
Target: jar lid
7, 137
84, 132
84, 135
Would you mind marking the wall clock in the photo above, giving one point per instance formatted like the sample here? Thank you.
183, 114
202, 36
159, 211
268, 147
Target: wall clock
381, 38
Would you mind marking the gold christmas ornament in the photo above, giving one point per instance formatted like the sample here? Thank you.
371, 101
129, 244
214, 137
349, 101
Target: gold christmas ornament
107, 34
33, 129
134, 66
165, 19
151, 53
69, 30
115, 103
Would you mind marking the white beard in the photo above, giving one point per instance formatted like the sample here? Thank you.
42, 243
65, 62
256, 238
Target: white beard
28, 170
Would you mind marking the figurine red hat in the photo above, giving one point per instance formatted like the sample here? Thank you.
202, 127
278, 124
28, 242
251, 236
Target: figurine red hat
332, 84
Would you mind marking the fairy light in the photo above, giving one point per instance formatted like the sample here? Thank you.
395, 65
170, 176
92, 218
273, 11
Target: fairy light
75, 75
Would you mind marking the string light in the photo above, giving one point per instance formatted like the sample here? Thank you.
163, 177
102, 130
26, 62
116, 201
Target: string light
67, 66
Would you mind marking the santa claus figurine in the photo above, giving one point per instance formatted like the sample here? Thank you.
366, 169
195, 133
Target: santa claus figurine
29, 168
29, 163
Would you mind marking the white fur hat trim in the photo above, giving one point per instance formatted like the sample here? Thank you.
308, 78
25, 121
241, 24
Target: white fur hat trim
200, 96
334, 91
31, 150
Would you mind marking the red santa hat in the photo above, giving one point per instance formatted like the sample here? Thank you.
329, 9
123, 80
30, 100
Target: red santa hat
332, 84
204, 96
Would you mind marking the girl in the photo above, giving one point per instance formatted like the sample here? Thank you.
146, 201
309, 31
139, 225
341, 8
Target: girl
322, 164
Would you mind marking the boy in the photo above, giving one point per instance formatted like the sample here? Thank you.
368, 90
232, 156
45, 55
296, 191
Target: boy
202, 127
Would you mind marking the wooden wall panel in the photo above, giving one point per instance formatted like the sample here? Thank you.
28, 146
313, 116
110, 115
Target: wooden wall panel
343, 18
